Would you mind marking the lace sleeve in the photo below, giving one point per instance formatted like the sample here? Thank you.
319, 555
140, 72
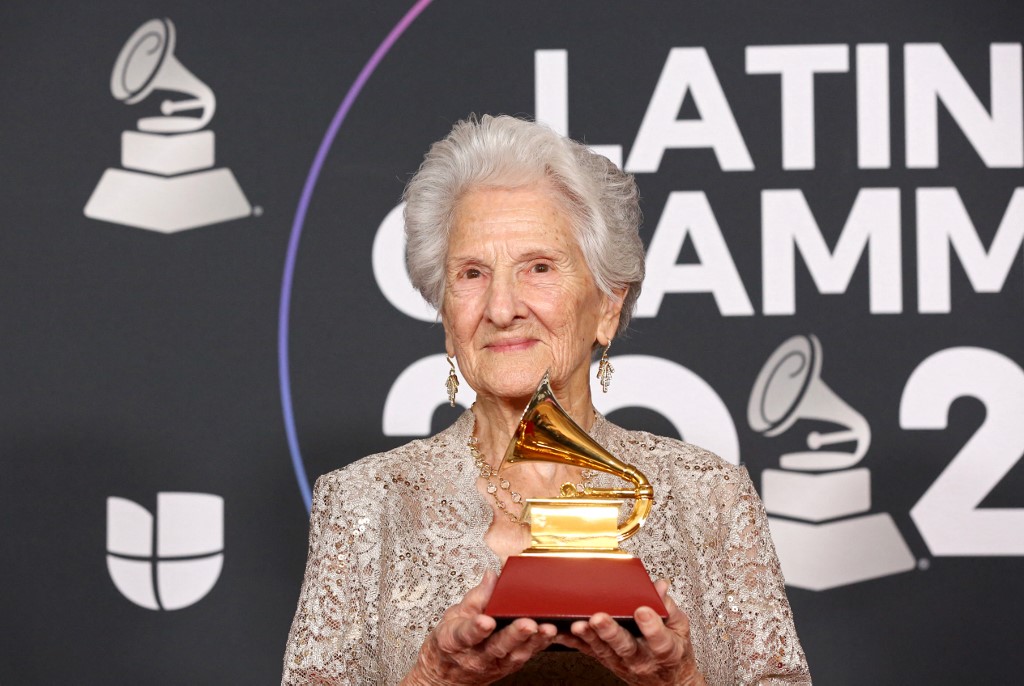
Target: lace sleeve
759, 619
326, 644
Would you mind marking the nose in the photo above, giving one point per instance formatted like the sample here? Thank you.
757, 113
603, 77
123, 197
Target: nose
503, 301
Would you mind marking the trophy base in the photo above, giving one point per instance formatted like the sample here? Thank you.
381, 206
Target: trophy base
562, 590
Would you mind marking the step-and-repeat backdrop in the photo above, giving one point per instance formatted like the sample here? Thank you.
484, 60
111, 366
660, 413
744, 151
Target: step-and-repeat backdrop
204, 304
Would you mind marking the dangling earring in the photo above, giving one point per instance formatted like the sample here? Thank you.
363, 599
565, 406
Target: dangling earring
451, 384
605, 369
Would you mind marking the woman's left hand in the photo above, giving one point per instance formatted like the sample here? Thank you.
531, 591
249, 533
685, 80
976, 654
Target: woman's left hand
662, 655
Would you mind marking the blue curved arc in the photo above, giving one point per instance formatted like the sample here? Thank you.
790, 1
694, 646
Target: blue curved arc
296, 234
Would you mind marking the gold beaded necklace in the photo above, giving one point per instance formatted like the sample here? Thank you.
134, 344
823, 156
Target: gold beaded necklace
487, 471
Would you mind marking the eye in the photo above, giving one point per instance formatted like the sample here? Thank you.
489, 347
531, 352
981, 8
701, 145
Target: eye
472, 273
541, 268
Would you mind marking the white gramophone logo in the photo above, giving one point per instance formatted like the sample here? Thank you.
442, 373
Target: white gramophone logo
188, 537
829, 546
168, 183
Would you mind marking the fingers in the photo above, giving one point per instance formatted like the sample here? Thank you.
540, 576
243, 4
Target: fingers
582, 631
469, 648
514, 645
675, 615
603, 639
468, 626
535, 643
512, 637
666, 639
465, 647
540, 641
571, 641
466, 632
661, 654
477, 598
464, 624
611, 632
661, 640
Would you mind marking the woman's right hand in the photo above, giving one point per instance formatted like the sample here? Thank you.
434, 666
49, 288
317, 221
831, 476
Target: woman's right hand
464, 647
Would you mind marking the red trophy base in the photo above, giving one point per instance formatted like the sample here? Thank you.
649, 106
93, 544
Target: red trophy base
562, 590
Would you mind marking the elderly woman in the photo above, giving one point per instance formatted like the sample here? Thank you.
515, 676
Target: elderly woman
527, 244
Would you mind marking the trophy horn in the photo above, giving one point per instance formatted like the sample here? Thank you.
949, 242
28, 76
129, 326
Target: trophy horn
547, 433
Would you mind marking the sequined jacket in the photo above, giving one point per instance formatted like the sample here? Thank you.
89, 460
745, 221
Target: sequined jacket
398, 537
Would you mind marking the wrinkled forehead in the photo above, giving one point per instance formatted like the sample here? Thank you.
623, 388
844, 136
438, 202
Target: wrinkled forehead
572, 211
520, 220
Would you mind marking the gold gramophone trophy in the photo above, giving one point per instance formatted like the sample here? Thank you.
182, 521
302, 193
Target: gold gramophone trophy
574, 567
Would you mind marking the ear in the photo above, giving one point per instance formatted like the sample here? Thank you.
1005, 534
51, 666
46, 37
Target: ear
449, 343
610, 312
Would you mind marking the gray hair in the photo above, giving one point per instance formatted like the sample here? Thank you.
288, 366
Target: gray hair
601, 200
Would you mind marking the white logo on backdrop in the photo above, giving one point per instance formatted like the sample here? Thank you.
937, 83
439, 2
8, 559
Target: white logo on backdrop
168, 183
830, 547
188, 537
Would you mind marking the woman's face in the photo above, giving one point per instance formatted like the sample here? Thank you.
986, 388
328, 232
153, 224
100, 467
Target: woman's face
519, 298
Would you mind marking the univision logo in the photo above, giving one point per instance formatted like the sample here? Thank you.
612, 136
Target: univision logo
169, 563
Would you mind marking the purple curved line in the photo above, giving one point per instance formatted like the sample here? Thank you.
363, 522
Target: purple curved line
296, 235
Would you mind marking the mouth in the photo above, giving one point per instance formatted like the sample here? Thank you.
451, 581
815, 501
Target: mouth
511, 345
